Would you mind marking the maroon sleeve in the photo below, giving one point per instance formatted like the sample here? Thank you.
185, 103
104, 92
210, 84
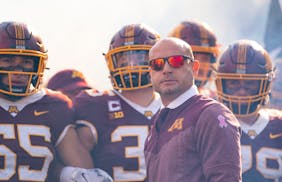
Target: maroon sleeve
60, 113
218, 139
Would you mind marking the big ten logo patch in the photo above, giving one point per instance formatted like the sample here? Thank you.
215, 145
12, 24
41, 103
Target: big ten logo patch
115, 110
116, 115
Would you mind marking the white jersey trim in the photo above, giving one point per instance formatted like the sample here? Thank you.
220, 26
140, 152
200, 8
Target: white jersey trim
92, 129
20, 104
153, 107
63, 134
258, 126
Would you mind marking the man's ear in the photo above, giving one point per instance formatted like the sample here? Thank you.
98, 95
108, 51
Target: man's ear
196, 65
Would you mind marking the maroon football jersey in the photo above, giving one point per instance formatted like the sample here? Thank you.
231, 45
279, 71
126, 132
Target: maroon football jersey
197, 141
121, 127
262, 147
29, 131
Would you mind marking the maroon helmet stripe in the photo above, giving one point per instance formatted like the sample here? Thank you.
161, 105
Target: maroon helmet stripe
204, 36
20, 36
129, 34
241, 55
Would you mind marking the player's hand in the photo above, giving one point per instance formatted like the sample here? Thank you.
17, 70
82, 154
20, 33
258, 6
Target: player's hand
99, 175
75, 174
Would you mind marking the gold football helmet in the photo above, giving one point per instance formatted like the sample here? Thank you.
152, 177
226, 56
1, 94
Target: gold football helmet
17, 40
244, 77
203, 43
127, 58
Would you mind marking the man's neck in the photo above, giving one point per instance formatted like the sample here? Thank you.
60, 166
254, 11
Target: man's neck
142, 97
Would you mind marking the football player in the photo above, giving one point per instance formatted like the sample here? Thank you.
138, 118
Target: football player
205, 48
243, 82
32, 126
69, 81
118, 120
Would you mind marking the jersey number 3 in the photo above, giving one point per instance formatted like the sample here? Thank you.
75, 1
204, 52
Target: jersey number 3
141, 133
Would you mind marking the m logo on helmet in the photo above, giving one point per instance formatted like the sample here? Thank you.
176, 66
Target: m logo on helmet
77, 74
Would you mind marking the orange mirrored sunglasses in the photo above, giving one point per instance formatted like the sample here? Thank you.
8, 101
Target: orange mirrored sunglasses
175, 61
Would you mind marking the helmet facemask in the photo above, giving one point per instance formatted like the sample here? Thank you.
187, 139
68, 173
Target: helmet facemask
23, 60
256, 88
17, 80
128, 57
129, 67
243, 77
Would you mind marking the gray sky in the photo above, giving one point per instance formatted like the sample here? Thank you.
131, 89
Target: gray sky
77, 32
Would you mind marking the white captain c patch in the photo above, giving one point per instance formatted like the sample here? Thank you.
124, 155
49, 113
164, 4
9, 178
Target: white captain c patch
114, 105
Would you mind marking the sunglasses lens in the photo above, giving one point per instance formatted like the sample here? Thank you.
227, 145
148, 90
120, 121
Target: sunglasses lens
176, 61
173, 61
157, 64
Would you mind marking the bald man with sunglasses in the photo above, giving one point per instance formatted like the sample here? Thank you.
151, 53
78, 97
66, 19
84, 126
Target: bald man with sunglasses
193, 138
